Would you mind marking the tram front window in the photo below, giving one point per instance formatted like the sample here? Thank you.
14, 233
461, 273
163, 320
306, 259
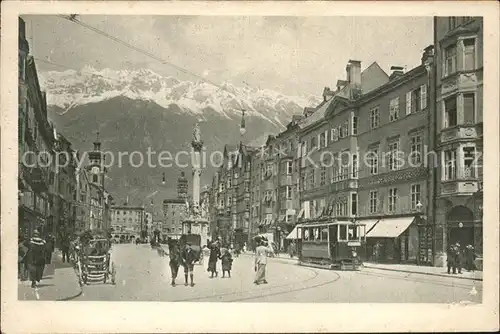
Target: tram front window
354, 232
342, 232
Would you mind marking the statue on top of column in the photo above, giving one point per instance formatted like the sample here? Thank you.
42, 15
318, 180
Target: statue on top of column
197, 133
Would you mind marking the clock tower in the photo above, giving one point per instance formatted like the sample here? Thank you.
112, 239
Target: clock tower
96, 164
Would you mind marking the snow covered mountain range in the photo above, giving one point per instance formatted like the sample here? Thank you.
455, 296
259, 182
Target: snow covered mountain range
70, 88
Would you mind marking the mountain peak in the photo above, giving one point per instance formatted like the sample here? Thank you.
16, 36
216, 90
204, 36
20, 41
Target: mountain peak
66, 89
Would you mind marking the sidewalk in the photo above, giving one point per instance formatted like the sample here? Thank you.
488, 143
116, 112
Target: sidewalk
63, 285
424, 270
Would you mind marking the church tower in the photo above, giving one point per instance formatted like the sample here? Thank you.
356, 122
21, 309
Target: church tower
182, 187
96, 164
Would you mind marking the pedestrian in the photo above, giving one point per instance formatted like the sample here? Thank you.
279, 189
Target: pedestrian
290, 249
188, 259
244, 247
261, 253
451, 259
175, 259
23, 247
50, 243
227, 263
458, 257
213, 257
469, 257
65, 244
36, 258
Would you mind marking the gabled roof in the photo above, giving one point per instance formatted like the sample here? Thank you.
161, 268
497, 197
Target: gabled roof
334, 103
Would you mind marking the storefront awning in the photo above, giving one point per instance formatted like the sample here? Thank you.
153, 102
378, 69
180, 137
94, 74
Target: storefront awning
390, 227
369, 224
293, 235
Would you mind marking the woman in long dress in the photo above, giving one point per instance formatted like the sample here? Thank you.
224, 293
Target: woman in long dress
212, 260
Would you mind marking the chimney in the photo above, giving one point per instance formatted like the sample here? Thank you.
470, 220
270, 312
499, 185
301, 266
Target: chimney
428, 55
353, 69
397, 71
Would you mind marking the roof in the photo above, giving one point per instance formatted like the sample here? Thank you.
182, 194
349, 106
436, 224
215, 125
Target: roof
316, 116
174, 201
126, 207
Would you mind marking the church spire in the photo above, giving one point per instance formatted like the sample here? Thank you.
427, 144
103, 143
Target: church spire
97, 143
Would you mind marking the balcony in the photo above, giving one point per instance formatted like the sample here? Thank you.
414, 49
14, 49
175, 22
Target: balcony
465, 186
460, 81
286, 180
461, 132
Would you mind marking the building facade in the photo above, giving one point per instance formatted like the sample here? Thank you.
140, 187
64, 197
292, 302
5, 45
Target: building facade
458, 133
36, 142
126, 222
175, 210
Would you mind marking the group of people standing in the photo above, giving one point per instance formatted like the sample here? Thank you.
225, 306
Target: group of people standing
219, 253
33, 255
185, 257
458, 258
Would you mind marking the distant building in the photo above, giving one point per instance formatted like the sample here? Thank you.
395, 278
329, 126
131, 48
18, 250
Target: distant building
174, 210
127, 221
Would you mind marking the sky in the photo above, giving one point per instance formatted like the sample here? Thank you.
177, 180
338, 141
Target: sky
290, 55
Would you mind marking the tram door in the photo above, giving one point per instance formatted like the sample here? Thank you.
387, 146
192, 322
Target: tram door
332, 231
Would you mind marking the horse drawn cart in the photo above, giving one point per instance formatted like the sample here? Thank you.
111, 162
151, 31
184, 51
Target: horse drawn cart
94, 263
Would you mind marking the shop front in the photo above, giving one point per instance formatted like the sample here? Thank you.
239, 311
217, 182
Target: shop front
393, 240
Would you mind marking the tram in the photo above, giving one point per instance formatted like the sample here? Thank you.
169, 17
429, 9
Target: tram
335, 244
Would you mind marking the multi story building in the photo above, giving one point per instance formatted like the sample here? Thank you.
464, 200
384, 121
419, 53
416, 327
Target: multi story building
36, 141
241, 186
127, 221
175, 210
82, 222
365, 146
225, 220
458, 133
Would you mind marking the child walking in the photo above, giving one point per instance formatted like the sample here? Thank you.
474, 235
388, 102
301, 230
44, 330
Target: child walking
227, 263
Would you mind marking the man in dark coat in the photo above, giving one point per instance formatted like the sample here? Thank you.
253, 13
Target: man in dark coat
175, 259
35, 258
215, 255
188, 259
458, 257
65, 244
451, 259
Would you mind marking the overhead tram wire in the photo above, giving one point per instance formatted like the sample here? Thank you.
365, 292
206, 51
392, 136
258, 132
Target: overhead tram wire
73, 19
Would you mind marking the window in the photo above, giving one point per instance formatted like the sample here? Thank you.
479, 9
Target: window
354, 204
450, 109
322, 140
393, 199
334, 134
288, 192
469, 108
393, 155
324, 234
314, 143
450, 165
373, 201
289, 167
342, 232
230, 182
269, 170
469, 54
344, 130
415, 195
354, 125
311, 179
416, 149
423, 97
374, 118
469, 162
373, 161
450, 60
322, 177
394, 109
94, 178
354, 166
